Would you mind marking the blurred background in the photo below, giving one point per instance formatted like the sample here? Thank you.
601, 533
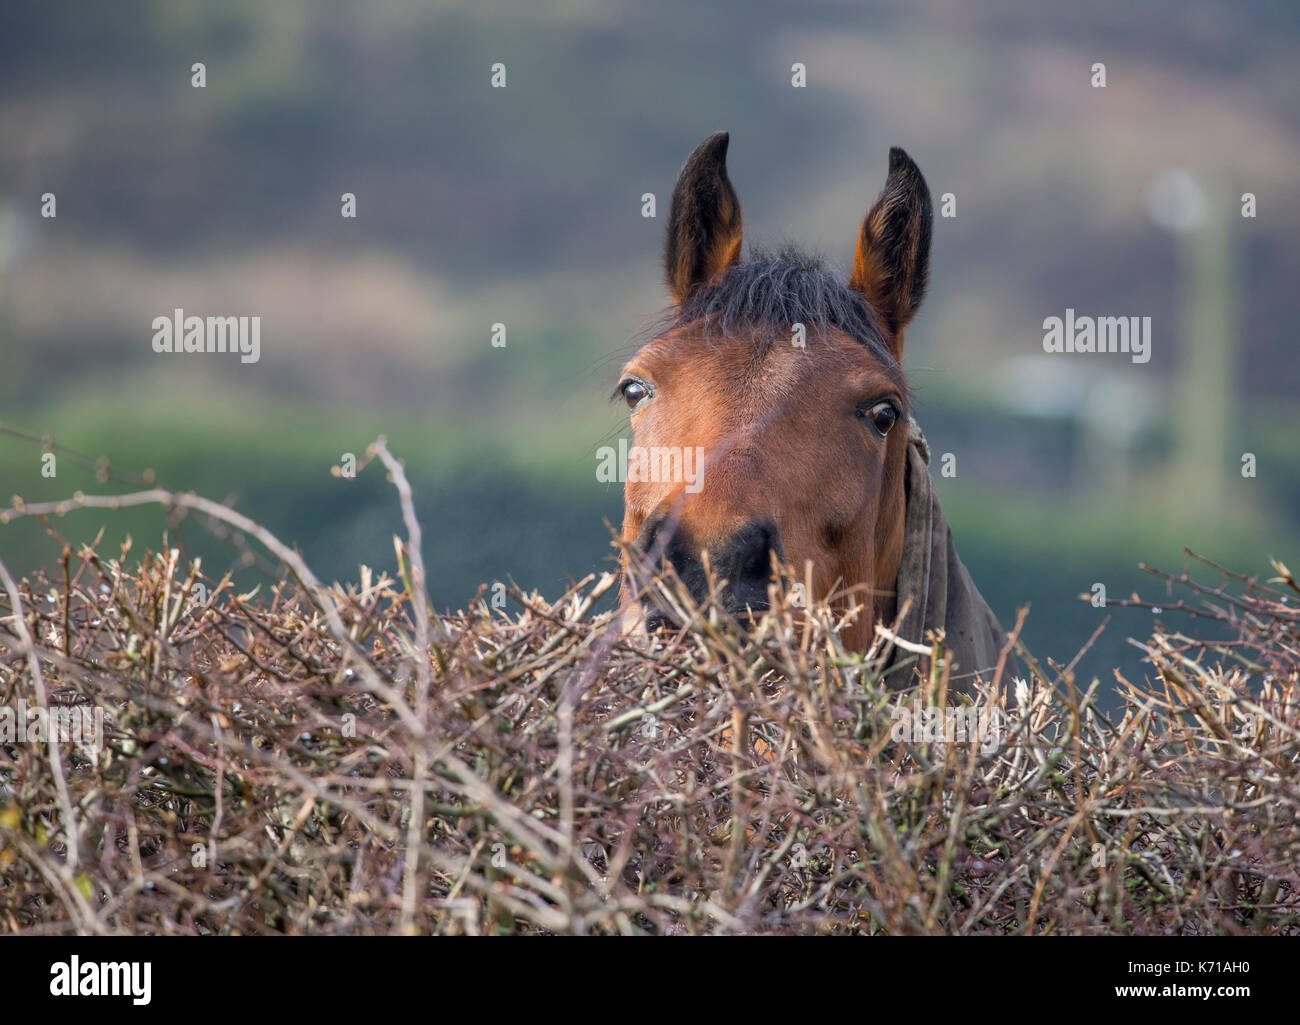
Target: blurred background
523, 206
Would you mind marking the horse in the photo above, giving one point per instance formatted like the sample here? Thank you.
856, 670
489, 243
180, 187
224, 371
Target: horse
790, 381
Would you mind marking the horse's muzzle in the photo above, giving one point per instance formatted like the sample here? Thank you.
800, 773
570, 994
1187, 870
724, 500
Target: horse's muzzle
744, 564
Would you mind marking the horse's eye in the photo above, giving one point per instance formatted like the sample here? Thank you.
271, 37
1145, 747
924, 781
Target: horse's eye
635, 393
881, 416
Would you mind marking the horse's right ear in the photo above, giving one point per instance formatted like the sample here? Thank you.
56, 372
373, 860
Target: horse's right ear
704, 228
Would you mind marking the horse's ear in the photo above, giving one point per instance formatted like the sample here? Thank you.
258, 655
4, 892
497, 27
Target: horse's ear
704, 229
892, 262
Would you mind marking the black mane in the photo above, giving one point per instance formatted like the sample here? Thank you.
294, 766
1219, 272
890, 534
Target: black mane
771, 292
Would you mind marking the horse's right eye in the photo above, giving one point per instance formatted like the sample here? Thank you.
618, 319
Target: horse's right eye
635, 393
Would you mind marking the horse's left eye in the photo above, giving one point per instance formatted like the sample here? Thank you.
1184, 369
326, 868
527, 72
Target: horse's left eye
882, 416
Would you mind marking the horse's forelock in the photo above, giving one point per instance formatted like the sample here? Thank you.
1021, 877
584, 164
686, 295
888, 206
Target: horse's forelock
767, 295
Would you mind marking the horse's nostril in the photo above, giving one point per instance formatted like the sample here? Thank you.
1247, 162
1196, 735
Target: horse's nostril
746, 561
649, 533
759, 560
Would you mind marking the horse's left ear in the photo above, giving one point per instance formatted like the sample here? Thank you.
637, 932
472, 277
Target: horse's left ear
892, 262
